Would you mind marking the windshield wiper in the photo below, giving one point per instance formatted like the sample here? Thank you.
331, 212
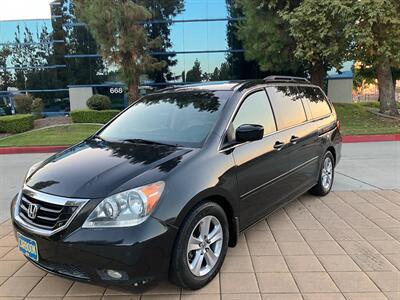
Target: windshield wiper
99, 138
149, 142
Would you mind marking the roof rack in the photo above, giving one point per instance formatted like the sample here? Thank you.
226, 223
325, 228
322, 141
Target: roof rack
286, 78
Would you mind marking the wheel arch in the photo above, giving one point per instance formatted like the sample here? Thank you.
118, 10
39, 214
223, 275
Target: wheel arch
227, 205
333, 151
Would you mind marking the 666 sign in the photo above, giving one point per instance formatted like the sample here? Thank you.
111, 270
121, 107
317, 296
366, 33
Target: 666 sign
116, 90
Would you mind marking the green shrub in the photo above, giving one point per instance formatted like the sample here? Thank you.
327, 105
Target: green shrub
23, 103
99, 102
16, 123
93, 116
37, 107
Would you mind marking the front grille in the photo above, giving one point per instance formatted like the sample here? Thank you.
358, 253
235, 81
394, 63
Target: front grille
49, 216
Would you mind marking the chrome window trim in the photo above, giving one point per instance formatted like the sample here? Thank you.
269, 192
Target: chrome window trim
259, 88
52, 199
244, 96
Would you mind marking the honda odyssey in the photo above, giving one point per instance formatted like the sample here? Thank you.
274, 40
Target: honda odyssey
162, 190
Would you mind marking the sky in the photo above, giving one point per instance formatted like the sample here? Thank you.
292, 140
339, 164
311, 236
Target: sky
24, 9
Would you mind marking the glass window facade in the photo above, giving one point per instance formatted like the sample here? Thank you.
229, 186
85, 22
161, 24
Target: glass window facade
12, 30
56, 53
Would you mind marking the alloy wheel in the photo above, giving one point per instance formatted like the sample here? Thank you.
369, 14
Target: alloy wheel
204, 246
327, 173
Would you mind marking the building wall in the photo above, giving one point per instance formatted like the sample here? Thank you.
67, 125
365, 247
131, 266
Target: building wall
340, 90
78, 97
200, 32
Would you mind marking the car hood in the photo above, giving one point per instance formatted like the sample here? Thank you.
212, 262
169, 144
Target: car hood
94, 169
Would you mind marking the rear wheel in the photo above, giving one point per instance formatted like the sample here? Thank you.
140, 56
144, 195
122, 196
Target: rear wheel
200, 247
326, 176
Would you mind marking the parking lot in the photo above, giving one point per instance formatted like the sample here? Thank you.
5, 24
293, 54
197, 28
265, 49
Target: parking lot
343, 246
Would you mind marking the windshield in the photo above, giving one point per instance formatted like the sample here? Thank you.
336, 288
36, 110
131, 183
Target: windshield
179, 118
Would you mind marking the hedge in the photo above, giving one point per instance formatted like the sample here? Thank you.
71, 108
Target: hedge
16, 123
93, 116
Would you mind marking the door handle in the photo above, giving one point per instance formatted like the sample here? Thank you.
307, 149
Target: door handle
279, 145
294, 139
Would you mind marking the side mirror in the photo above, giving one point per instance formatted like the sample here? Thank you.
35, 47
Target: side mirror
249, 133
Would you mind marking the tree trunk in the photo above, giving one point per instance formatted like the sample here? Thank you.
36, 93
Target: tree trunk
318, 74
133, 91
386, 89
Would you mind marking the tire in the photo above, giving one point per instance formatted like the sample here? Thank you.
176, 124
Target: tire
209, 254
322, 188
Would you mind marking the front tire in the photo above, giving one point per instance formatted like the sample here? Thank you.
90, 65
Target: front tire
200, 247
326, 176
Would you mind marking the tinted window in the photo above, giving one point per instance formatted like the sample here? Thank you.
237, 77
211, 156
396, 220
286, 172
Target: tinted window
316, 100
287, 104
183, 118
256, 110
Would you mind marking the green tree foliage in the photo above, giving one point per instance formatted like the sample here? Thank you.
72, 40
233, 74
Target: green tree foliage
318, 27
237, 65
288, 36
59, 48
363, 75
119, 29
163, 11
266, 35
6, 77
375, 30
221, 73
78, 40
195, 74
30, 55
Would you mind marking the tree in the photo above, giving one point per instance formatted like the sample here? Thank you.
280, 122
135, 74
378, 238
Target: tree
59, 48
6, 77
215, 75
195, 74
28, 57
119, 29
163, 11
318, 29
375, 30
363, 74
266, 36
79, 40
237, 67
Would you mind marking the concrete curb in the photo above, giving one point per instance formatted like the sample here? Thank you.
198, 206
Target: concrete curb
31, 149
371, 138
345, 139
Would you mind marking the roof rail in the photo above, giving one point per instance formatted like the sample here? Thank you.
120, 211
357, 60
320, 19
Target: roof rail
286, 78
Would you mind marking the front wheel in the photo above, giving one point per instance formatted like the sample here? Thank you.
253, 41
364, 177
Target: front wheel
326, 176
201, 246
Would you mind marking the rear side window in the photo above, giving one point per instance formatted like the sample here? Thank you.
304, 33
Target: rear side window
287, 105
256, 110
316, 100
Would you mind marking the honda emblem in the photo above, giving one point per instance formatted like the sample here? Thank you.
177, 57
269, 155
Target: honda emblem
33, 210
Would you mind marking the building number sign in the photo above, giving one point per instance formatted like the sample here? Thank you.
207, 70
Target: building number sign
119, 90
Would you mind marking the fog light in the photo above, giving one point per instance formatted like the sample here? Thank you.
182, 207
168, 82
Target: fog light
114, 274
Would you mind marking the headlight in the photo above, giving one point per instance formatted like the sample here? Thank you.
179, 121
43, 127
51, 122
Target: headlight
126, 209
32, 170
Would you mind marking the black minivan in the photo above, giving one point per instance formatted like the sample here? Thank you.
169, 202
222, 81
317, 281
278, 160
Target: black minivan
163, 189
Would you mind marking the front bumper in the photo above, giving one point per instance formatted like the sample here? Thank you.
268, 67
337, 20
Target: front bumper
140, 253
